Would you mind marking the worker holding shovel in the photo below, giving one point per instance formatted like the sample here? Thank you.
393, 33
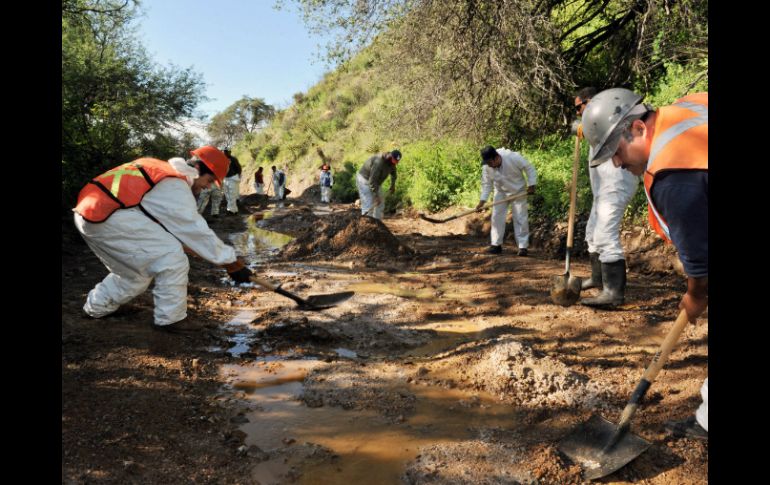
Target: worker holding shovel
369, 181
612, 188
669, 146
504, 170
139, 219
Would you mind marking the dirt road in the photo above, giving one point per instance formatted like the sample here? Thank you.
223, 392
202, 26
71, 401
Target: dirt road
448, 366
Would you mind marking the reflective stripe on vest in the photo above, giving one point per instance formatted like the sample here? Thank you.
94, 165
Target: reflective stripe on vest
121, 187
660, 142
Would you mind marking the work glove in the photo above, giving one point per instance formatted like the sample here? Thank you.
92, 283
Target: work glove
392, 189
480, 204
238, 271
531, 189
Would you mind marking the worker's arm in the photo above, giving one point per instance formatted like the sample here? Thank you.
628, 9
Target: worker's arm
393, 176
695, 301
486, 184
375, 174
172, 203
528, 169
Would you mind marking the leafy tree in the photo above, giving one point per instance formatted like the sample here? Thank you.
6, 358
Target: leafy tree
115, 100
242, 118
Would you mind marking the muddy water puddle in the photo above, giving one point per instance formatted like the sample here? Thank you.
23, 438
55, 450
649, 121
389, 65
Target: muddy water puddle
444, 292
332, 445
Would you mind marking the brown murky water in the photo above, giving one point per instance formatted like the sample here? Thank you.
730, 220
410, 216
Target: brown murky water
366, 447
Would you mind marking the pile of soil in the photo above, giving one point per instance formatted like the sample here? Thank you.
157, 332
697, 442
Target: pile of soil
512, 371
489, 462
347, 235
259, 201
295, 224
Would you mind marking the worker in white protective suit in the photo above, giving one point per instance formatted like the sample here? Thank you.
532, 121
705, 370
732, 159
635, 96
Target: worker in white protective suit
214, 194
612, 188
505, 170
370, 178
327, 182
231, 184
279, 182
139, 218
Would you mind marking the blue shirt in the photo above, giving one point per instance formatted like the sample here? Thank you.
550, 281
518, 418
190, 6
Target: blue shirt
682, 199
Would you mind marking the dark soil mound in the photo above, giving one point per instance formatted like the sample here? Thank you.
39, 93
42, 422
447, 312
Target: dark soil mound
312, 193
251, 200
347, 235
295, 223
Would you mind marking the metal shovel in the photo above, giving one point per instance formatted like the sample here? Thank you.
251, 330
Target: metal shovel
598, 445
501, 201
313, 302
565, 289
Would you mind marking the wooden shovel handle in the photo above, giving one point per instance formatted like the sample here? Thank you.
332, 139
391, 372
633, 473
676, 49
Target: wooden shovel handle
264, 283
573, 193
653, 369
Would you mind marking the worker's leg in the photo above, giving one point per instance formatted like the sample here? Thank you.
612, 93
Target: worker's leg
216, 200
615, 191
379, 210
203, 200
112, 292
498, 220
521, 222
365, 194
170, 290
231, 193
702, 414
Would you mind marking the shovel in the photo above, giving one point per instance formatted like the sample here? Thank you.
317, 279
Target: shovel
598, 445
565, 289
313, 302
462, 214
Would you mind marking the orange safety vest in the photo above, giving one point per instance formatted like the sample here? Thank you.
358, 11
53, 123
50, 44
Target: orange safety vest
121, 188
680, 142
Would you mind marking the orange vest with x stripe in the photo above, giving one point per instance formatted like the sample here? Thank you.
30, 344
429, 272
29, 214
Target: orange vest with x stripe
122, 187
680, 142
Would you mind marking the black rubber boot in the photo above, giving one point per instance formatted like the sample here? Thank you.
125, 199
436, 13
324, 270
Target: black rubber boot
595, 281
688, 428
614, 283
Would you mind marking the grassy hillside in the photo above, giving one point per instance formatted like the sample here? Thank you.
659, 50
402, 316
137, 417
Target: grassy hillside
355, 112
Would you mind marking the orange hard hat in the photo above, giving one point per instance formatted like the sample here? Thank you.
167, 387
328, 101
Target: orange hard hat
214, 159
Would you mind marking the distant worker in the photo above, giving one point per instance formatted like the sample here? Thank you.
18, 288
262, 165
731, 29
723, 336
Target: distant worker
279, 182
327, 181
504, 170
669, 146
612, 188
213, 194
259, 182
369, 180
232, 183
139, 218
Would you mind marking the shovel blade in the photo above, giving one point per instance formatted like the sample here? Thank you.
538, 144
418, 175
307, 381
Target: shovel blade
585, 446
565, 289
322, 302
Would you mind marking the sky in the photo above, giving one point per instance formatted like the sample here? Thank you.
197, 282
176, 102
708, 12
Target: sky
242, 47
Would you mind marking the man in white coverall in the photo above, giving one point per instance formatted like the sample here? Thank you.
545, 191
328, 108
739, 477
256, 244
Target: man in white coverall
504, 170
327, 182
139, 218
612, 188
231, 183
279, 182
214, 194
